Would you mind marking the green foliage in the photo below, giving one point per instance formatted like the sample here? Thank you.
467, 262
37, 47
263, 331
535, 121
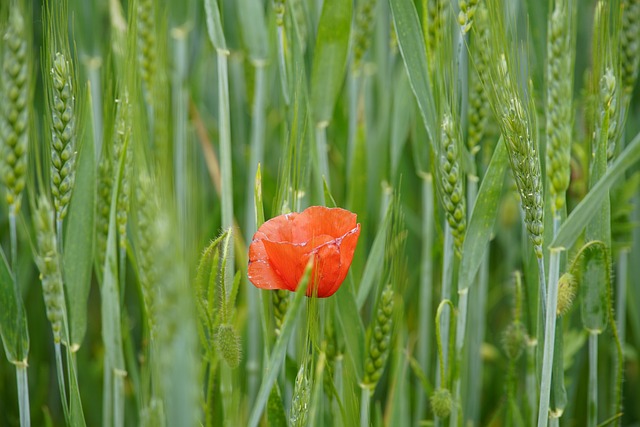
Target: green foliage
205, 118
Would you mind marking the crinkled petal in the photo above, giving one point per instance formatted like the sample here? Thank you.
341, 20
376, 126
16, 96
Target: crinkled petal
319, 220
347, 249
263, 276
326, 270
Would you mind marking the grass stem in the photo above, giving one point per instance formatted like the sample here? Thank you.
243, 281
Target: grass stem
23, 394
365, 402
549, 334
60, 372
425, 317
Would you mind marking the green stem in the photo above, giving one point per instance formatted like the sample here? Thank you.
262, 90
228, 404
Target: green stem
425, 318
63, 391
107, 395
225, 155
211, 387
122, 272
621, 292
321, 147
558, 396
282, 64
179, 108
365, 401
226, 392
23, 394
447, 275
549, 334
592, 408
532, 388
118, 398
463, 295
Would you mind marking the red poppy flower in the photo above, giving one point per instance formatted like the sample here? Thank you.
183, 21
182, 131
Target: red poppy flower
282, 246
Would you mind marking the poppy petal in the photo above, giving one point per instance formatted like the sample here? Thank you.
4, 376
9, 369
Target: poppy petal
262, 275
347, 249
278, 229
288, 261
319, 220
326, 270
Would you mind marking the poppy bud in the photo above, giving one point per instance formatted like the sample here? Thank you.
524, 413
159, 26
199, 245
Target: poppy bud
227, 343
566, 293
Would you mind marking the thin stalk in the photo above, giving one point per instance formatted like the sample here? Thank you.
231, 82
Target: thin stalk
225, 154
321, 147
447, 276
60, 372
93, 66
621, 292
257, 154
179, 100
211, 386
558, 396
354, 86
107, 396
122, 272
592, 408
549, 334
621, 313
425, 317
282, 64
531, 383
365, 401
337, 380
23, 394
463, 296
118, 398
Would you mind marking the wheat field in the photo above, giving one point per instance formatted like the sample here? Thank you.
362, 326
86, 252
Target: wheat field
320, 213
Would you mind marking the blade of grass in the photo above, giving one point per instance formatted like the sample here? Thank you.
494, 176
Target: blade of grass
483, 217
15, 335
78, 254
328, 70
375, 261
413, 50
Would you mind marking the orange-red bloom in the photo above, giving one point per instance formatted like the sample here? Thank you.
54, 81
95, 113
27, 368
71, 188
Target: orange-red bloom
282, 247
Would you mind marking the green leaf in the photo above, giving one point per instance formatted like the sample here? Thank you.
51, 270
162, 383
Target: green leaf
589, 206
330, 57
401, 114
13, 321
254, 30
413, 51
329, 200
483, 217
80, 233
214, 25
259, 205
352, 328
375, 261
279, 350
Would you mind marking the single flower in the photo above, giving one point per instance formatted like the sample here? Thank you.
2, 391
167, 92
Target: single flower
282, 247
